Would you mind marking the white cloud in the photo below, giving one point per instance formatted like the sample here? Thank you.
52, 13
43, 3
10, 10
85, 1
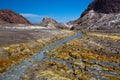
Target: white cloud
30, 15
33, 17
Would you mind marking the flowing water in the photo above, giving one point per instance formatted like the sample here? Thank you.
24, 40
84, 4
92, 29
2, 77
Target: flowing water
17, 71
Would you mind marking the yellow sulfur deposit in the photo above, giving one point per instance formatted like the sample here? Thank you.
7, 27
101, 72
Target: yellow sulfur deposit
40, 41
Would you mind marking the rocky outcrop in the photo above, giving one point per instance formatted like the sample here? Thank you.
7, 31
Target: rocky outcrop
100, 15
103, 6
47, 22
98, 21
51, 23
8, 16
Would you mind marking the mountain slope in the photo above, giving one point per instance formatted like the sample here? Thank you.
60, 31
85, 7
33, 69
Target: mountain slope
100, 15
8, 16
49, 22
103, 6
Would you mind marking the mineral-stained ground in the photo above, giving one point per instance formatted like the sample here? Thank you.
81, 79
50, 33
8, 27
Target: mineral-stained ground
94, 55
20, 44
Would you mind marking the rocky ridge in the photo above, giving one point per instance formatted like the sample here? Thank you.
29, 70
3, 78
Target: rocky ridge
8, 16
100, 15
103, 6
49, 22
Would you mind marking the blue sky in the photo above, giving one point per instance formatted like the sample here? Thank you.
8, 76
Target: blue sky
34, 10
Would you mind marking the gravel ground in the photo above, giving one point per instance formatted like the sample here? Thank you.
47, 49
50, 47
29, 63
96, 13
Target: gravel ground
13, 36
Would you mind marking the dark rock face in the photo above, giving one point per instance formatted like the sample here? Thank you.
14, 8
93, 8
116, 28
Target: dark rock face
100, 15
104, 6
2, 22
8, 16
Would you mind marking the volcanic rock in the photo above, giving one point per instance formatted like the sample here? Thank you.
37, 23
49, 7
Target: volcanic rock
47, 22
8, 16
100, 15
103, 6
51, 23
2, 22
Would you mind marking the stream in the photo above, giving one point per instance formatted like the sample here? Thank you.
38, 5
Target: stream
17, 71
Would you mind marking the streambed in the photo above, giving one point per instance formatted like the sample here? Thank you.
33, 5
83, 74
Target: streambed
17, 71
